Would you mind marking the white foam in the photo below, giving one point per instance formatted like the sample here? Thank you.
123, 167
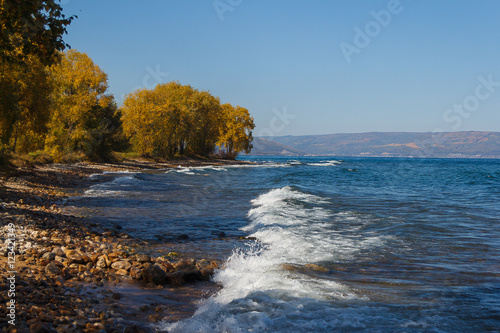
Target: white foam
104, 190
326, 163
261, 289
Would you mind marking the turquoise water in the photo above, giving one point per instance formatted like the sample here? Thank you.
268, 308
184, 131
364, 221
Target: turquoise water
341, 244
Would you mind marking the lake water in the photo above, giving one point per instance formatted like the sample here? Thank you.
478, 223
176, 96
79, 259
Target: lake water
337, 244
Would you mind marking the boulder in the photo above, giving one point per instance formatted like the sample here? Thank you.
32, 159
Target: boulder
154, 274
180, 277
185, 265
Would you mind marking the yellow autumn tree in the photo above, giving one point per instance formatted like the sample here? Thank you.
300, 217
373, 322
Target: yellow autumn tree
84, 117
24, 104
174, 119
206, 115
171, 119
158, 121
236, 131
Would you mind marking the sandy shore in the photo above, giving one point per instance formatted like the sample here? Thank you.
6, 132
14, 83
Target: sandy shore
72, 275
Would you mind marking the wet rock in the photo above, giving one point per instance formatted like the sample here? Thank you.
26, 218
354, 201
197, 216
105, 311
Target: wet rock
52, 268
206, 273
316, 267
137, 328
122, 264
153, 318
289, 267
154, 274
181, 277
185, 264
168, 266
122, 272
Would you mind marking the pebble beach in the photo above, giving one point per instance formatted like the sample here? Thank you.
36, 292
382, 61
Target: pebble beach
63, 273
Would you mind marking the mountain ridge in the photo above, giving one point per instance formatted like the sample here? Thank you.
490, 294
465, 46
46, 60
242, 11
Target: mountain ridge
470, 144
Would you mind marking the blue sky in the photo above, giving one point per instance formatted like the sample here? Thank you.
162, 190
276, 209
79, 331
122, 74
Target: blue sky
308, 67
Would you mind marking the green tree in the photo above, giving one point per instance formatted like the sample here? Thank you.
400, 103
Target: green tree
32, 28
84, 118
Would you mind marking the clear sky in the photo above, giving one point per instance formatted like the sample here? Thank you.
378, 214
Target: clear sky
308, 67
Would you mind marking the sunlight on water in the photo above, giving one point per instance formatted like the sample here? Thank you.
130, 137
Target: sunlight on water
333, 245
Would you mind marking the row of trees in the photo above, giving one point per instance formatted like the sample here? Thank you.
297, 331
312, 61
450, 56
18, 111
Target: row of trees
174, 119
58, 102
66, 110
63, 109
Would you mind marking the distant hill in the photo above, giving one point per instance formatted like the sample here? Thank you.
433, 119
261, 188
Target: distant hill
397, 144
263, 146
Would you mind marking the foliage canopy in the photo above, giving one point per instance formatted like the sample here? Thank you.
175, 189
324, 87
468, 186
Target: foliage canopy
84, 117
174, 119
32, 28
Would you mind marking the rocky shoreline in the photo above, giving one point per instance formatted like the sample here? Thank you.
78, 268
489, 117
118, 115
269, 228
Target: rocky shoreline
72, 275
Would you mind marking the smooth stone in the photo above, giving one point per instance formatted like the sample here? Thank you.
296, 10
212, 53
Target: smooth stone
101, 263
58, 251
122, 264
75, 256
49, 256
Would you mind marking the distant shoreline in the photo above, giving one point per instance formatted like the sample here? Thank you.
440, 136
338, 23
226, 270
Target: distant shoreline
494, 157
478, 144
